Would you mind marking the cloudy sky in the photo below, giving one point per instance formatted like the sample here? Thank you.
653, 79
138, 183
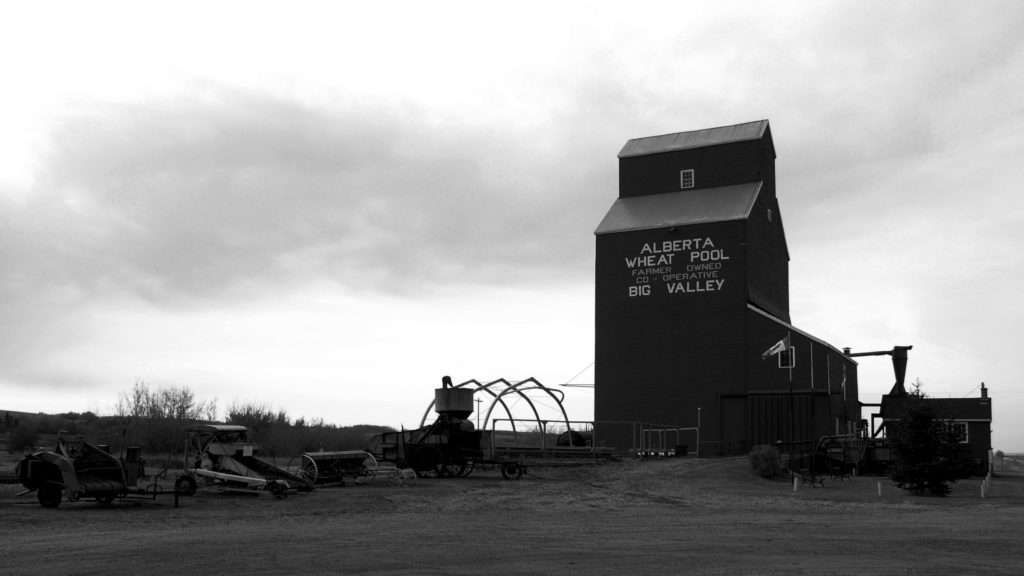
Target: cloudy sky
327, 206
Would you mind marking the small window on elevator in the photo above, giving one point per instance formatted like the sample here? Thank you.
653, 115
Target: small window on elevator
686, 178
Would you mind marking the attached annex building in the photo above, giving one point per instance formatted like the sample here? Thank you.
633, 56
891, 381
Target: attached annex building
692, 289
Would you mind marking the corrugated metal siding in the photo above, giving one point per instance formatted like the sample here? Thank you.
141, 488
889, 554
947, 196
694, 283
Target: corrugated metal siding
664, 354
680, 208
694, 139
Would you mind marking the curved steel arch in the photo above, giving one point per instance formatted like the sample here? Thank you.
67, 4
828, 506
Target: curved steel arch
519, 388
532, 384
498, 399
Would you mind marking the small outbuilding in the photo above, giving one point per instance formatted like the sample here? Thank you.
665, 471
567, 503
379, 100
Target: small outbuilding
968, 419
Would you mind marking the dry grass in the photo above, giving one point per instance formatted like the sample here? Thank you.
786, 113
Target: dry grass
672, 516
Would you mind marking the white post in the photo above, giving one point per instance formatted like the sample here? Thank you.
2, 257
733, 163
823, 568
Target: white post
879, 488
698, 431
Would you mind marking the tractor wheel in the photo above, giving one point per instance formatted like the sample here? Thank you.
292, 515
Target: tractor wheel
49, 495
426, 461
185, 485
309, 469
455, 468
511, 471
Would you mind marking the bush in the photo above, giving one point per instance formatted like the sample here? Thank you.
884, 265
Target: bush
766, 461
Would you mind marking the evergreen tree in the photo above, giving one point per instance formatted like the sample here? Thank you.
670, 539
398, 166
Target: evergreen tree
927, 453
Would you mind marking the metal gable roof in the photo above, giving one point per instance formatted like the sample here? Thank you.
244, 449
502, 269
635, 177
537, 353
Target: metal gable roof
698, 206
694, 139
789, 326
962, 409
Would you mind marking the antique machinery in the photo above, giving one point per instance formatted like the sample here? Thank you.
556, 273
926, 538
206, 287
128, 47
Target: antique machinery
76, 469
220, 455
873, 452
899, 365
452, 446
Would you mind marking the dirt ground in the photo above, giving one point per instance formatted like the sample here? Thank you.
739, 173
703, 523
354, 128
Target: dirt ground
672, 516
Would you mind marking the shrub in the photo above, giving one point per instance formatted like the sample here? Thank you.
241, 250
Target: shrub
766, 461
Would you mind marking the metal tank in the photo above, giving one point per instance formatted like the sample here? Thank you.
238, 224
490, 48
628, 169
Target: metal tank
453, 402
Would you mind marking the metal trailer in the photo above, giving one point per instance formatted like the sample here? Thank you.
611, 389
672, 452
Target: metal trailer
220, 455
515, 453
452, 446
76, 469
443, 450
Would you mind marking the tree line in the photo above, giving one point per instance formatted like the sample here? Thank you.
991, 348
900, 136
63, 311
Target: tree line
153, 419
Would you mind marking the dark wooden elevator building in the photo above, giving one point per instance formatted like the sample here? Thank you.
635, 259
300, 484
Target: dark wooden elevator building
693, 336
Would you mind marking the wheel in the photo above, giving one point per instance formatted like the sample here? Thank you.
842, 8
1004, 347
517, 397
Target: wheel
309, 470
185, 485
426, 461
511, 471
278, 488
458, 467
49, 495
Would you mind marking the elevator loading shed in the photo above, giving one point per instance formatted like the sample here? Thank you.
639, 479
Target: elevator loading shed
692, 288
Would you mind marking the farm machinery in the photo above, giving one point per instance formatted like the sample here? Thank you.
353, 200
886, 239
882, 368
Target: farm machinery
220, 455
451, 446
76, 469
332, 467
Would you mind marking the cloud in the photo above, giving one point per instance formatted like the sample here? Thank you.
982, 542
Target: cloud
184, 190
196, 198
230, 197
235, 197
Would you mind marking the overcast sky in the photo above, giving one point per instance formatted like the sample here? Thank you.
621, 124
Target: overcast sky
325, 207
